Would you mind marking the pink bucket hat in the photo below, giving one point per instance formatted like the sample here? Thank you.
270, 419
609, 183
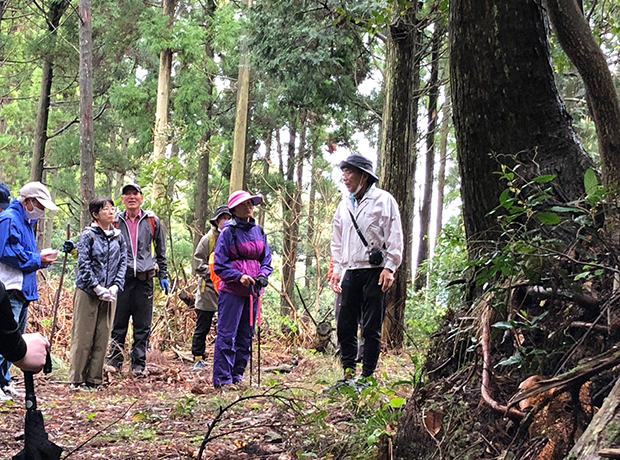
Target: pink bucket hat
238, 197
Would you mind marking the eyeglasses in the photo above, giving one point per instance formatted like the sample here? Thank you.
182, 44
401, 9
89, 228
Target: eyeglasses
108, 209
347, 172
36, 203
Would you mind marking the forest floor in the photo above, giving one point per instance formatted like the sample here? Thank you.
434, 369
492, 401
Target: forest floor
169, 413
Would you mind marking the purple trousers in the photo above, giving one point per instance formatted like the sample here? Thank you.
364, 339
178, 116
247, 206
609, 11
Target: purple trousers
234, 338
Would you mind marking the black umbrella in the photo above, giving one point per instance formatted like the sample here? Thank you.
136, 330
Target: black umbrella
37, 446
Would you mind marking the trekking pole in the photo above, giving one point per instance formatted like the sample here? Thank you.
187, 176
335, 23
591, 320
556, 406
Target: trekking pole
251, 299
58, 291
258, 321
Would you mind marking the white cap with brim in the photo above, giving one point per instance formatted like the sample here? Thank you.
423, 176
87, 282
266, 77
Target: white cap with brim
40, 192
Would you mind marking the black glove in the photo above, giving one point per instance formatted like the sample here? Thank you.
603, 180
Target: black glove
68, 246
261, 281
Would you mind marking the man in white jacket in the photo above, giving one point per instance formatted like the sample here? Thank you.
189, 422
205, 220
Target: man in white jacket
366, 247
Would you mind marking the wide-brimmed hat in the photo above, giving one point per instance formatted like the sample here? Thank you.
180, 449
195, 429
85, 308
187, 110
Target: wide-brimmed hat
238, 197
136, 187
40, 192
219, 212
5, 196
360, 162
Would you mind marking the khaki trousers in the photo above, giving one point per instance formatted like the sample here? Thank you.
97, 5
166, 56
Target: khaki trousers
90, 333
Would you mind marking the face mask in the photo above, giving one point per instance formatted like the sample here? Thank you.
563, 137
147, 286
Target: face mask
35, 214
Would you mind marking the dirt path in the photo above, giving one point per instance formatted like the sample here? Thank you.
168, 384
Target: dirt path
167, 414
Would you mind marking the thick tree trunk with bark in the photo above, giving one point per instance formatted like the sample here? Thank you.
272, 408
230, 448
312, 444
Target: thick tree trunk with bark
87, 155
507, 109
310, 233
160, 137
288, 207
398, 154
443, 154
575, 36
237, 173
57, 9
425, 211
266, 163
201, 212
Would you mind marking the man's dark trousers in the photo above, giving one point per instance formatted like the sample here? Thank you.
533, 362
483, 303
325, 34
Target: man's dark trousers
363, 302
204, 319
135, 301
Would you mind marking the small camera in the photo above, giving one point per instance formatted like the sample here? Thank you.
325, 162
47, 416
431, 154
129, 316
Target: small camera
375, 257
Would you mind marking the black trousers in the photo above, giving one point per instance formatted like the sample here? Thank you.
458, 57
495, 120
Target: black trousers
203, 326
363, 304
135, 301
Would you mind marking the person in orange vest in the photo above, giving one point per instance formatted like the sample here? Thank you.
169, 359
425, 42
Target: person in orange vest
206, 298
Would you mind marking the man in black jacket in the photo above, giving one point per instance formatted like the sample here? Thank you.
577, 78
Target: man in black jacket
142, 231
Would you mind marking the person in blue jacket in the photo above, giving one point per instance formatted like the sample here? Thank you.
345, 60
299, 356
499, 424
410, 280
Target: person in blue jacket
20, 260
243, 263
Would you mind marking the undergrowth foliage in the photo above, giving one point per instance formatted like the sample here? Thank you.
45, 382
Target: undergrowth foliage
548, 287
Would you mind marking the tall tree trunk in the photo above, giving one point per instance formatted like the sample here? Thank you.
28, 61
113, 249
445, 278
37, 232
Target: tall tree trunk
310, 234
57, 9
87, 156
201, 212
288, 207
237, 173
427, 199
443, 154
398, 153
575, 36
279, 151
266, 163
160, 137
120, 175
506, 110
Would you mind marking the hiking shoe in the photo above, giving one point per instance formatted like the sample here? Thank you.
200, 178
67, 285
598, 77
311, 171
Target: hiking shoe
360, 383
199, 365
338, 385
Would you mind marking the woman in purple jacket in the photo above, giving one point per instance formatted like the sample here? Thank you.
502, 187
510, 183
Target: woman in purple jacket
243, 262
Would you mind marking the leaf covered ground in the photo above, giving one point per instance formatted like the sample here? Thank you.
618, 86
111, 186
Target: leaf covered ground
173, 411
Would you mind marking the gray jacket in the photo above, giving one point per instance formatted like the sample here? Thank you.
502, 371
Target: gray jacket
102, 259
143, 262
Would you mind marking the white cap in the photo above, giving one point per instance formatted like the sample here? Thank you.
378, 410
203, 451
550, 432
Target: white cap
40, 192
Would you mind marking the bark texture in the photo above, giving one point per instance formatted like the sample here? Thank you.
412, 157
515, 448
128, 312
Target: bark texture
56, 10
288, 210
506, 109
398, 154
87, 154
160, 137
603, 431
201, 212
237, 173
425, 211
575, 36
